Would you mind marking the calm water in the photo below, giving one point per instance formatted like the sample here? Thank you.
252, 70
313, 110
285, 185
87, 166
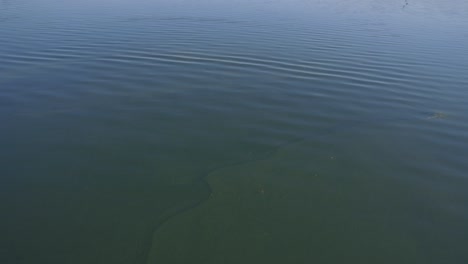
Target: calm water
212, 131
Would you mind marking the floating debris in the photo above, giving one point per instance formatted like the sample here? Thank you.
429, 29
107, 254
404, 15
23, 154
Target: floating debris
438, 115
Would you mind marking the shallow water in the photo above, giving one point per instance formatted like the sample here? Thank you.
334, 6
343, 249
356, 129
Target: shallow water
233, 131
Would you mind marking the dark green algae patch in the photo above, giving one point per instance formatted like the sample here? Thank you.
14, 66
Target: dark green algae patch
297, 206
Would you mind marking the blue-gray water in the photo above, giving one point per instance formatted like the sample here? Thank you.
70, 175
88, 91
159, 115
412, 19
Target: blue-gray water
212, 131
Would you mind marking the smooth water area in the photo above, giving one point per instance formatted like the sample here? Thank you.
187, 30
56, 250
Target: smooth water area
212, 131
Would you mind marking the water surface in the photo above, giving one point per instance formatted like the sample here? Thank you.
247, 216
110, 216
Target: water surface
233, 131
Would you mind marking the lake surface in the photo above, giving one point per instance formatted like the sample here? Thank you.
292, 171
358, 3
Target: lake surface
211, 131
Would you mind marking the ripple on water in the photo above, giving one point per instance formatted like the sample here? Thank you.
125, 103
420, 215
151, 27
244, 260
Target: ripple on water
115, 113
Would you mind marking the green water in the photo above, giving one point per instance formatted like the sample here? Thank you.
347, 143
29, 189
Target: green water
233, 132
314, 201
